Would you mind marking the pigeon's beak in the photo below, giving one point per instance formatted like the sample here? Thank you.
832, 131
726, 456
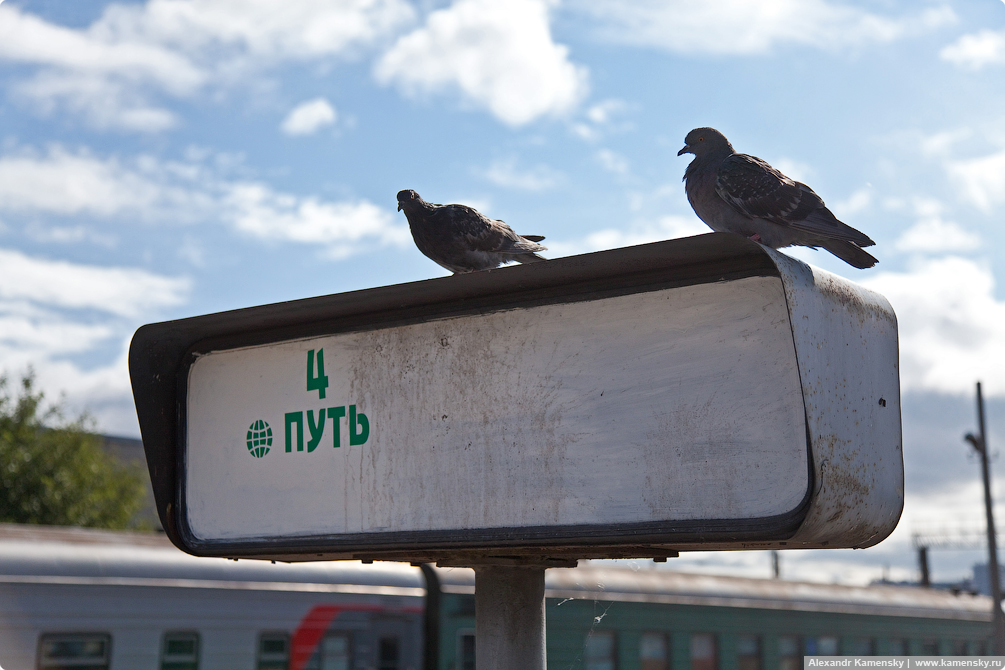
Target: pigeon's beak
685, 150
399, 206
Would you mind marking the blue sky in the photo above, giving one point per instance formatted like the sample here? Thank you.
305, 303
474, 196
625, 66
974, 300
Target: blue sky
167, 158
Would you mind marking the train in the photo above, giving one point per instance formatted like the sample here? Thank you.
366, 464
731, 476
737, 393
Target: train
79, 599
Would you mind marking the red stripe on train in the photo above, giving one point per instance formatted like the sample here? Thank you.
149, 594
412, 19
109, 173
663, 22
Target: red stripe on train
317, 621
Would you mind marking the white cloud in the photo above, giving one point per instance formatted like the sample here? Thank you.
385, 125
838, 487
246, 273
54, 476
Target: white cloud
309, 117
69, 235
933, 234
604, 112
257, 29
48, 316
951, 325
857, 202
976, 50
507, 174
32, 333
104, 391
981, 180
664, 228
46, 343
94, 74
741, 27
940, 144
498, 55
101, 50
123, 292
61, 317
73, 183
612, 162
259, 211
112, 72
100, 100
601, 117
54, 315
171, 193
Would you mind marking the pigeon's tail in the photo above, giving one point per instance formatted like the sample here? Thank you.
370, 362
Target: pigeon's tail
850, 253
529, 258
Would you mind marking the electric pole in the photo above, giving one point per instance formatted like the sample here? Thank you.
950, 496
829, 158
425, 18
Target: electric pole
979, 443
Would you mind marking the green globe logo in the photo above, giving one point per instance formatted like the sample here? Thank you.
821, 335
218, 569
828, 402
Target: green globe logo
259, 438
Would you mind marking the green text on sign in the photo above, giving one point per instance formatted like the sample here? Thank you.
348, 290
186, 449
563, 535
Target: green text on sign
359, 427
318, 382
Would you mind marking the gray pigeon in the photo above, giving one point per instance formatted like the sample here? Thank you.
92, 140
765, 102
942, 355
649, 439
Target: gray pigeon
737, 193
462, 239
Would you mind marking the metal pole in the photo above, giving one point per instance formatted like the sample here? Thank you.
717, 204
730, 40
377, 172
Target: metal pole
431, 623
509, 618
981, 445
926, 579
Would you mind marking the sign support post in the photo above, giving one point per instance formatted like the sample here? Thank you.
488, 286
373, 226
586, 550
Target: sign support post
509, 618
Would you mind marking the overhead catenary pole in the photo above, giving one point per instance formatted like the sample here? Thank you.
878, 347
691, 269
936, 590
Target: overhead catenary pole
981, 445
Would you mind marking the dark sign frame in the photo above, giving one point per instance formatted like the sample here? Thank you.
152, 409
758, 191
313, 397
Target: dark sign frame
160, 356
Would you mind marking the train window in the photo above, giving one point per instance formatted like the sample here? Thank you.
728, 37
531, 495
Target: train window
748, 652
790, 653
898, 647
825, 645
704, 652
180, 651
335, 652
273, 651
862, 646
929, 647
465, 650
960, 647
388, 654
84, 651
599, 651
654, 652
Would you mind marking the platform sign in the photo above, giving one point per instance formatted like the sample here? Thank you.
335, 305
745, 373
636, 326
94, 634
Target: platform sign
703, 393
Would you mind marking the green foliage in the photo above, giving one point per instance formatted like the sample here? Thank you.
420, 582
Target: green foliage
53, 471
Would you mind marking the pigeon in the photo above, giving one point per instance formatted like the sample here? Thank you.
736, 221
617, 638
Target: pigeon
462, 239
737, 193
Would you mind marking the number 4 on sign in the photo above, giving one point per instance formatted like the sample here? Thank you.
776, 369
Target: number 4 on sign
317, 382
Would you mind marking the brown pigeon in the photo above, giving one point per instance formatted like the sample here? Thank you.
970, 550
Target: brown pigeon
462, 239
737, 193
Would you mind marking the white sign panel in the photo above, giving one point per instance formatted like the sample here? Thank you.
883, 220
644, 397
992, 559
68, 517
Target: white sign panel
677, 405
693, 394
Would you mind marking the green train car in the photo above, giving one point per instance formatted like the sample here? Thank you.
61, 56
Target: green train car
72, 598
616, 618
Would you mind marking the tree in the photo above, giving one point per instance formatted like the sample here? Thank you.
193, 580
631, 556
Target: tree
53, 471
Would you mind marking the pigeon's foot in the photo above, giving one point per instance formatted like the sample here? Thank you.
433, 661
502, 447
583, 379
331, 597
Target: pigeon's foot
754, 238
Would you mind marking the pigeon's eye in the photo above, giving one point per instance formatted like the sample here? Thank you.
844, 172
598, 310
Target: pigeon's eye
701, 139
412, 195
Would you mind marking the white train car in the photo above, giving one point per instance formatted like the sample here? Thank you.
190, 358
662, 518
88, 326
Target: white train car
75, 599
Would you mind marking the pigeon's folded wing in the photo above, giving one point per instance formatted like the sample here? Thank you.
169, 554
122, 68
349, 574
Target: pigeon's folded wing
759, 191
481, 233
